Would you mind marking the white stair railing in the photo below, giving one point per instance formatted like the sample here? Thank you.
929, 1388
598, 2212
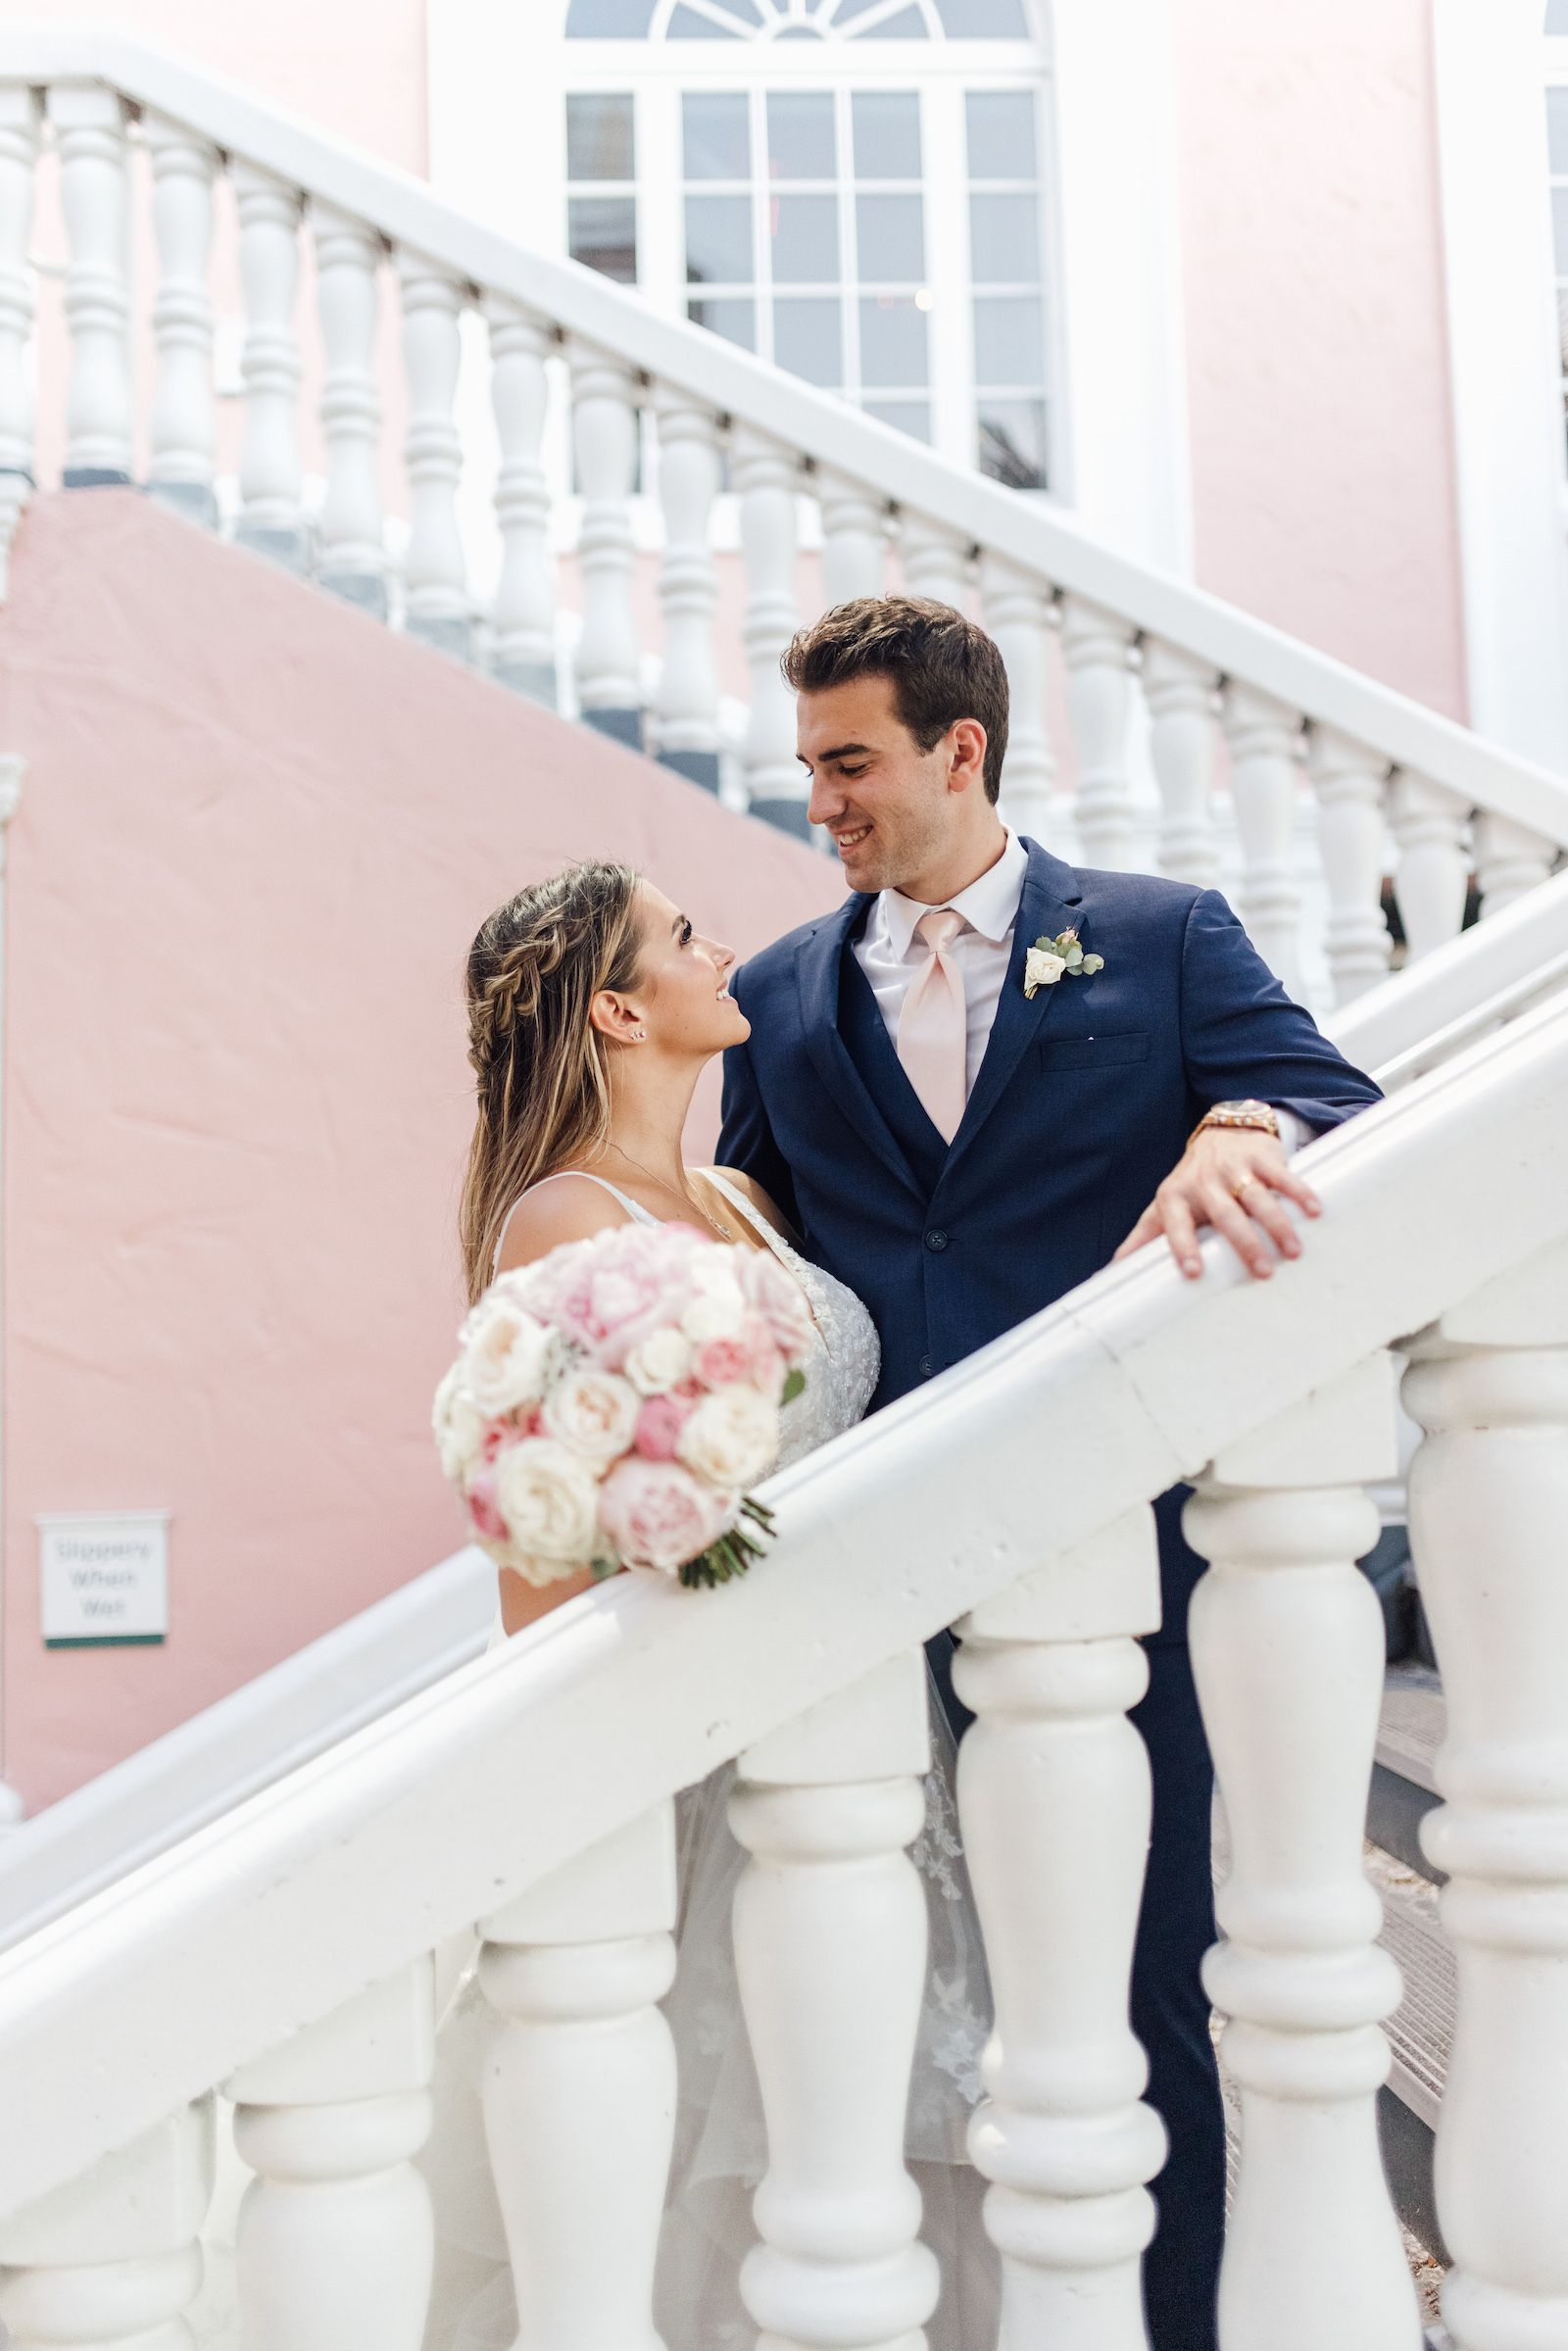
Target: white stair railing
282, 1951
1384, 768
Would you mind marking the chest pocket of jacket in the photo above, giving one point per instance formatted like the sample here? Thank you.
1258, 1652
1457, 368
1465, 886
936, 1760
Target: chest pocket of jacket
1093, 1052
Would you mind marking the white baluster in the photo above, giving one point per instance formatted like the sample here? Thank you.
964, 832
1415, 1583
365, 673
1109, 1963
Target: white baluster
1054, 1796
90, 122
112, 2260
1095, 645
830, 1950
1286, 1645
1349, 782
18, 152
855, 539
523, 615
437, 572
270, 458
12, 774
336, 2243
1180, 692
351, 559
1263, 737
580, 2094
1428, 822
1509, 860
1016, 607
182, 431
687, 708
936, 562
1487, 1503
766, 475
604, 426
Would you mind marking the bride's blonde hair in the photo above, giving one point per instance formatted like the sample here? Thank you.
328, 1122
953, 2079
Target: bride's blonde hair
542, 1067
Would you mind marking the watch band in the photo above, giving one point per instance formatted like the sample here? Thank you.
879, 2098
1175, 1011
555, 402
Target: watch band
1262, 1117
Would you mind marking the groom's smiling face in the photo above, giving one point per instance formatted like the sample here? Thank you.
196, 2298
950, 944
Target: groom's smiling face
900, 818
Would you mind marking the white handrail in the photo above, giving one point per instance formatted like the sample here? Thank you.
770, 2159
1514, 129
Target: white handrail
1413, 1006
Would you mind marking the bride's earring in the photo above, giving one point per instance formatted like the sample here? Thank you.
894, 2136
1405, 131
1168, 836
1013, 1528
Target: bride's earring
638, 1036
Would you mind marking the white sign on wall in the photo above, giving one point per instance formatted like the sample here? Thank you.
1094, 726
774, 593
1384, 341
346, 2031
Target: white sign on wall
105, 1578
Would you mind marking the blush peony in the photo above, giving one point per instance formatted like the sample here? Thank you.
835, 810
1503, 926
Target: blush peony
731, 1438
657, 1515
780, 1300
547, 1495
658, 1426
594, 1413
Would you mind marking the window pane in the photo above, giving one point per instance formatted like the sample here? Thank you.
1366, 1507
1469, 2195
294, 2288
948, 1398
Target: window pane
908, 26
887, 134
608, 19
601, 231
1557, 15
1557, 125
799, 135
913, 416
1012, 443
807, 340
718, 240
716, 134
1009, 342
891, 233
1559, 228
1003, 240
892, 340
685, 24
806, 239
599, 138
735, 320
983, 20
1001, 134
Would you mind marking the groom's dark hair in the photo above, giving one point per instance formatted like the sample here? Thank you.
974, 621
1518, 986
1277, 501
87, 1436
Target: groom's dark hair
942, 668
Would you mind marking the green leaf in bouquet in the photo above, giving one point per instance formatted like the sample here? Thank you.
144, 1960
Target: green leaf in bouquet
794, 1386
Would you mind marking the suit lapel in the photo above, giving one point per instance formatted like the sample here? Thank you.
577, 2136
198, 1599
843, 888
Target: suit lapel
1048, 905
817, 964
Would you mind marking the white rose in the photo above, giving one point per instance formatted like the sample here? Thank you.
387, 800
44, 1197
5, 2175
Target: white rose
595, 1413
458, 1426
660, 1363
715, 1312
731, 1438
508, 1359
547, 1497
1042, 969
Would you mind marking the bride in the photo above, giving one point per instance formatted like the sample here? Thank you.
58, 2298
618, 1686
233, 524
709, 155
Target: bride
593, 1007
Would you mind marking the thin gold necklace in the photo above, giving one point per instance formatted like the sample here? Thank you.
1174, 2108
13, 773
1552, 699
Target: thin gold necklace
722, 1231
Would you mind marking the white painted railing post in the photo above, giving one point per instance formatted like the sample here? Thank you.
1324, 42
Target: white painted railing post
1263, 737
1487, 1493
1509, 860
336, 2243
686, 712
438, 608
1017, 611
1286, 1645
604, 435
524, 614
1350, 782
12, 774
182, 430
270, 471
19, 154
1428, 822
855, 539
579, 2094
830, 1936
1054, 1796
935, 562
1180, 692
90, 122
766, 476
110, 2260
1096, 646
351, 555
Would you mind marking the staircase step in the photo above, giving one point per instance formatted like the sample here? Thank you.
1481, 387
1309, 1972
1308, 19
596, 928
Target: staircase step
1412, 1725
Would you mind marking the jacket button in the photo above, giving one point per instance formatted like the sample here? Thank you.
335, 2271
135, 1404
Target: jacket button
926, 1367
936, 1241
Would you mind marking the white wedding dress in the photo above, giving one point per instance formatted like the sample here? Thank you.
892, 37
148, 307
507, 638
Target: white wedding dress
720, 2148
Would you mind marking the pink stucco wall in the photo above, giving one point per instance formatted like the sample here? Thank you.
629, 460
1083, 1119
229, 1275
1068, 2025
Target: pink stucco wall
257, 834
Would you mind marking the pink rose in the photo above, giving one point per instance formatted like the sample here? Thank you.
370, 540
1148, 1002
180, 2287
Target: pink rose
657, 1515
780, 1300
658, 1427
484, 1511
722, 1362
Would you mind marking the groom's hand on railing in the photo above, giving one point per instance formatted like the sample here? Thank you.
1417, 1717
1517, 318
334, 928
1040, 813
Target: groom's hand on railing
1236, 1180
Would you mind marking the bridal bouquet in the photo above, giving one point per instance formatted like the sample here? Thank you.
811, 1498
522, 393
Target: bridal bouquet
613, 1402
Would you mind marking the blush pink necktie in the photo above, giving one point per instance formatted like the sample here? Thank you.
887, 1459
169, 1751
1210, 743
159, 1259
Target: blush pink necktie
933, 1027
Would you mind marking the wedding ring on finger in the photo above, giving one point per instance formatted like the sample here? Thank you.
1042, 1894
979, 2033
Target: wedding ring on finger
1238, 1189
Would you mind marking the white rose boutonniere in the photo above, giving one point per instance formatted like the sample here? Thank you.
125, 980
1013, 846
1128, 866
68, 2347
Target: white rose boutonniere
1048, 958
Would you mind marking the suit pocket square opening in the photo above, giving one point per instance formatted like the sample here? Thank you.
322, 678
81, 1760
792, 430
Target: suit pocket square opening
1094, 1052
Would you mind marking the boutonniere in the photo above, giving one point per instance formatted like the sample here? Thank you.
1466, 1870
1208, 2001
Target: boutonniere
1048, 958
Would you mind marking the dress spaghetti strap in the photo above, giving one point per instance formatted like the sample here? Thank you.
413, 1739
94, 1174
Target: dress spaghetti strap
634, 1208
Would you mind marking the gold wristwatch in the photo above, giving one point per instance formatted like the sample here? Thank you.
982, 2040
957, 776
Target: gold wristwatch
1260, 1116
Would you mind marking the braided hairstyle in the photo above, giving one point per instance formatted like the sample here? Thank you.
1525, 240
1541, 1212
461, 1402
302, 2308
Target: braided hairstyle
542, 1067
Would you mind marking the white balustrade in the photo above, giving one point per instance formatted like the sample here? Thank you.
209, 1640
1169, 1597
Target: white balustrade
1488, 1500
1181, 694
90, 132
18, 152
1349, 782
336, 2241
766, 477
1265, 735
1096, 646
855, 539
579, 2092
1428, 822
524, 614
270, 470
438, 606
1016, 609
110, 2260
830, 1938
351, 559
1286, 1645
686, 711
935, 562
1054, 1795
183, 428
604, 434
1509, 860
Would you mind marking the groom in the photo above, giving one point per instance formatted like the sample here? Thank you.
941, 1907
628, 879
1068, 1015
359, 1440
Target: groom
963, 1152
